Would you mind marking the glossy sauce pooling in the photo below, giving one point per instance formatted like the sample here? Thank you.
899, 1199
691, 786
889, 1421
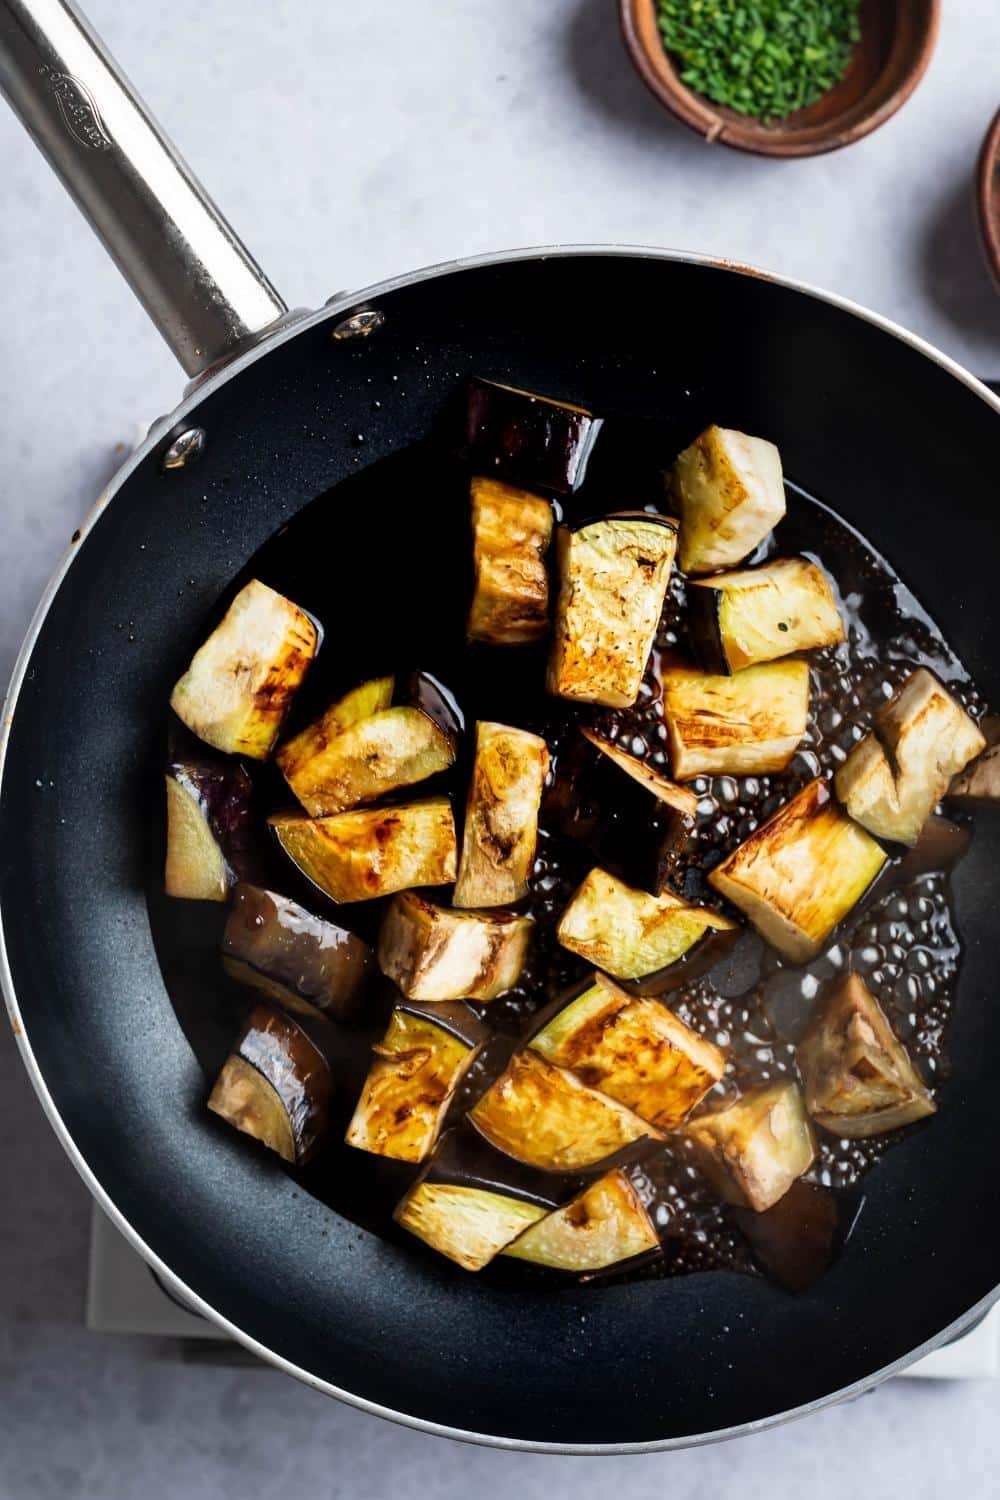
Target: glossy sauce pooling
754, 1005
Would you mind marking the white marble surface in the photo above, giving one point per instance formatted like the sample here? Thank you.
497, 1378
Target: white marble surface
348, 142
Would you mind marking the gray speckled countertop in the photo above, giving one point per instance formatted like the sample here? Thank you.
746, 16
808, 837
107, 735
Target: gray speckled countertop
348, 143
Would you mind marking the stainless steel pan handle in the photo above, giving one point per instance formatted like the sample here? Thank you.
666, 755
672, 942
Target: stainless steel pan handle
198, 282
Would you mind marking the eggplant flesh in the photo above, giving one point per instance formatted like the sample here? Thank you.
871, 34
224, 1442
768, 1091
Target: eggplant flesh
417, 1068
544, 1116
370, 852
801, 873
749, 724
295, 1073
980, 781
528, 439
604, 1226
634, 1050
631, 934
241, 681
305, 963
470, 1225
613, 578
433, 953
920, 740
511, 532
212, 837
753, 1150
761, 614
730, 493
348, 758
501, 816
858, 1078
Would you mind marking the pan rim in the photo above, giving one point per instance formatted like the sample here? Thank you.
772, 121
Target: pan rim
331, 311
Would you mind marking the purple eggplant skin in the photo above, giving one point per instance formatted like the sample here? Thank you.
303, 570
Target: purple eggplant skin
222, 792
527, 439
309, 965
796, 1240
702, 956
296, 1069
704, 633
466, 1158
433, 699
451, 1015
940, 846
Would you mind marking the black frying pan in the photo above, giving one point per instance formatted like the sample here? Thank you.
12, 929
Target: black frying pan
901, 441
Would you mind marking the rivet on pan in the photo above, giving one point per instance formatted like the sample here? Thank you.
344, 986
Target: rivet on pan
359, 325
185, 449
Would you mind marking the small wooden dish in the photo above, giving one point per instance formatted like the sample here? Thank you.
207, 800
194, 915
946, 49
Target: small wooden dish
897, 40
988, 195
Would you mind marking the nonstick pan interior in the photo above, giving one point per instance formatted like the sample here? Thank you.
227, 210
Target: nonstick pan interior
865, 421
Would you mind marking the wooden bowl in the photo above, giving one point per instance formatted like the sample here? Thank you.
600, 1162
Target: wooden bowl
897, 40
988, 195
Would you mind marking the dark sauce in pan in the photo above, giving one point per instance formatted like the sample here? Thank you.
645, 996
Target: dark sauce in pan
382, 562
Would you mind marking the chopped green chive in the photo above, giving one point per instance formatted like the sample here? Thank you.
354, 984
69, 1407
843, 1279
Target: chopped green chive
766, 59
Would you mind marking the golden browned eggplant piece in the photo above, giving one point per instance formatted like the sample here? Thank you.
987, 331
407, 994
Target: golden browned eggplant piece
680, 798
639, 937
801, 873
544, 1116
511, 532
276, 1086
470, 1225
432, 953
613, 576
920, 739
365, 746
240, 684
604, 1225
501, 816
752, 1151
356, 856
760, 614
634, 1050
857, 1076
304, 963
528, 439
729, 491
746, 725
212, 835
419, 1063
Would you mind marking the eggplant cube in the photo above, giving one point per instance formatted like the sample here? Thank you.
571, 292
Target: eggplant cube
306, 964
746, 725
634, 1050
419, 1064
921, 739
639, 937
752, 1151
470, 1225
276, 1086
760, 614
679, 798
501, 816
603, 1226
528, 439
212, 838
801, 873
545, 1117
613, 579
511, 532
240, 684
432, 953
980, 781
857, 1076
349, 757
730, 493
356, 856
